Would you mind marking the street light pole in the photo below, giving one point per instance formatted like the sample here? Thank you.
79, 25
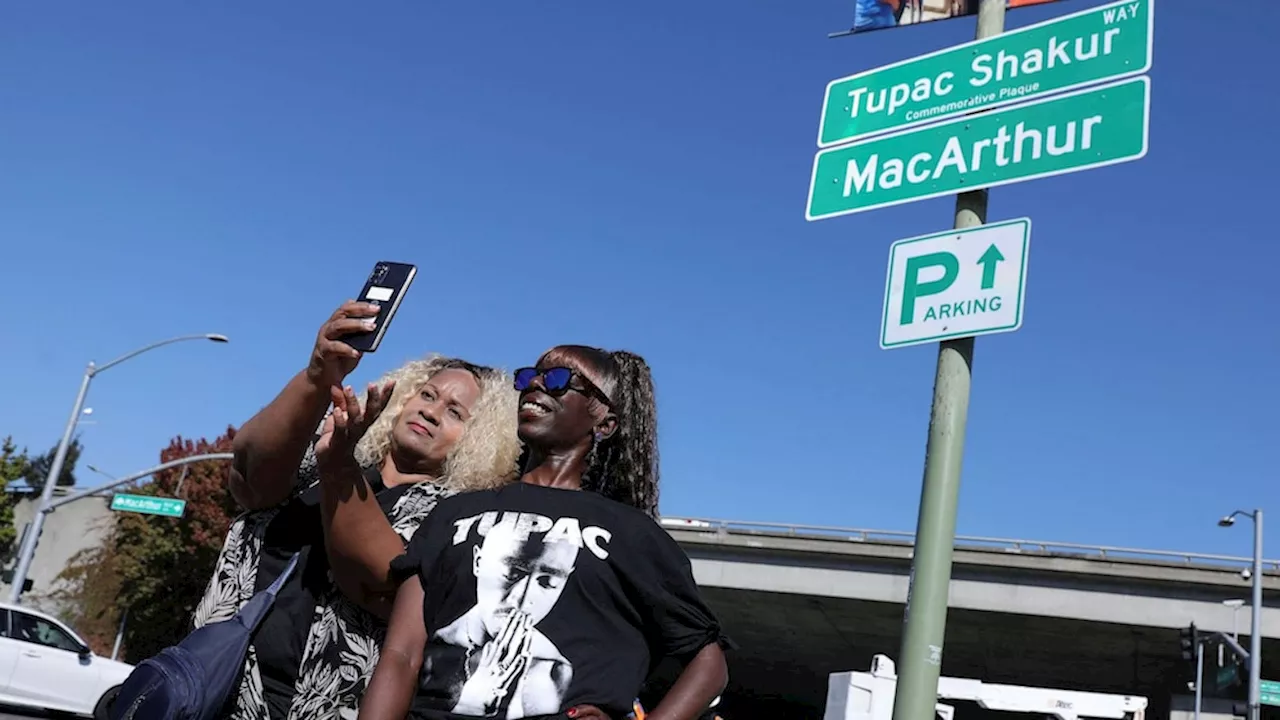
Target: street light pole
28, 551
117, 482
1255, 625
1199, 677
1255, 632
46, 493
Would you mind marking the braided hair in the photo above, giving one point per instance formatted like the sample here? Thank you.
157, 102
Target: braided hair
623, 466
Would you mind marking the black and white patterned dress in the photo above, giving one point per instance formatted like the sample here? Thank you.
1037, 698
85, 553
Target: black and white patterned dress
342, 645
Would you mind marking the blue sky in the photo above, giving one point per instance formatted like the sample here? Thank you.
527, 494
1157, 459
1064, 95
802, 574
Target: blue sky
634, 175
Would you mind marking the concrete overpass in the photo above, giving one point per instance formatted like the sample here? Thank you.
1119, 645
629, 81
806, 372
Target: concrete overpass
807, 601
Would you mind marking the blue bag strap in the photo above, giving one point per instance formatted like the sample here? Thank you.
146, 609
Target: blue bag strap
274, 588
253, 611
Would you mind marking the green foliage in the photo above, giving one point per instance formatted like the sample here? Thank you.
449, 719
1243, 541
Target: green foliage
13, 466
155, 566
38, 469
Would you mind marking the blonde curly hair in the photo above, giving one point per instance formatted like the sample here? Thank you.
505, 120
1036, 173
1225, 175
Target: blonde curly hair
486, 454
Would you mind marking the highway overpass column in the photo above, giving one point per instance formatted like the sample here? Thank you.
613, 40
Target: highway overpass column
920, 658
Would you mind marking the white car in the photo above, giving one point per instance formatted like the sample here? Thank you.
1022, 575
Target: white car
43, 664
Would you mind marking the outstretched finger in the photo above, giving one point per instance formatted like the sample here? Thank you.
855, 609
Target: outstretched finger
337, 397
371, 400
377, 399
325, 440
586, 712
355, 413
339, 414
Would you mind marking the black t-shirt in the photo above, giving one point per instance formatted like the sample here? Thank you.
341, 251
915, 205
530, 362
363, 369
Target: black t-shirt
539, 599
282, 636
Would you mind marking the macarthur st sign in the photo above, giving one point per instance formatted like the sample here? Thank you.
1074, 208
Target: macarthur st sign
1085, 129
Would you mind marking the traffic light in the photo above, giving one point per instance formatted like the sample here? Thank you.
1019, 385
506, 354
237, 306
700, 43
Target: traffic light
1189, 637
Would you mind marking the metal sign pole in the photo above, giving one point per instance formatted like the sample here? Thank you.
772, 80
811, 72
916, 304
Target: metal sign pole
926, 613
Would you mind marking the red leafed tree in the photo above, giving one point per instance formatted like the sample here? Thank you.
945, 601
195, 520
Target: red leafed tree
155, 567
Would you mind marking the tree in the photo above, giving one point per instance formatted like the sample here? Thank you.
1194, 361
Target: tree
13, 466
156, 567
88, 596
38, 468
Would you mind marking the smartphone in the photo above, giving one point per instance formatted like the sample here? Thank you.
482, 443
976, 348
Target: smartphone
385, 288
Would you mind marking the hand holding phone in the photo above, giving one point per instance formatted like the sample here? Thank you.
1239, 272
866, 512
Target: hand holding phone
385, 288
332, 359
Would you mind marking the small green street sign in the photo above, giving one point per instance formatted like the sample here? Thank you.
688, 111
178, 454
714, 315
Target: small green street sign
1068, 133
956, 283
1269, 692
146, 504
1068, 52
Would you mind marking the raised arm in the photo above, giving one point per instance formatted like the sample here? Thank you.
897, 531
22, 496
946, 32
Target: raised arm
390, 692
358, 537
270, 446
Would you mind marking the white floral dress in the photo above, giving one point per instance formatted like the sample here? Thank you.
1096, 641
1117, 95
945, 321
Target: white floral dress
342, 645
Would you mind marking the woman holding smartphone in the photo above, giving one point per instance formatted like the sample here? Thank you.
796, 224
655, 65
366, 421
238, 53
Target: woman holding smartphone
448, 427
555, 596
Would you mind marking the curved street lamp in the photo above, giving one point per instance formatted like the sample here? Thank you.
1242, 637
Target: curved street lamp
28, 551
1255, 627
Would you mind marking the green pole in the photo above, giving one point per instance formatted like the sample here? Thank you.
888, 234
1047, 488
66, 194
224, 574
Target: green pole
920, 659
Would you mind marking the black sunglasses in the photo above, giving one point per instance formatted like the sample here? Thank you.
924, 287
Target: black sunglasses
559, 380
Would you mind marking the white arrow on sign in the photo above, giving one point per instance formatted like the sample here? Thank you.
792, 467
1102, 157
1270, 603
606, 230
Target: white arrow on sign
956, 283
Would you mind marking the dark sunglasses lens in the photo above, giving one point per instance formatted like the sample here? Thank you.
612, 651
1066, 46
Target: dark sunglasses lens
557, 378
524, 376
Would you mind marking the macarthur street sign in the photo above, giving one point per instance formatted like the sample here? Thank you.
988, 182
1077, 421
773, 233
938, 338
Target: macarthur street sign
149, 505
1064, 134
1102, 43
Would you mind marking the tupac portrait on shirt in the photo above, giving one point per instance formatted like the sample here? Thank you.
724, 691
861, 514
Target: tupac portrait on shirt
511, 668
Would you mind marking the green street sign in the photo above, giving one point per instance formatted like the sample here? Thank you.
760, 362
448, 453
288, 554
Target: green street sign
148, 505
1102, 43
956, 283
1052, 136
1269, 692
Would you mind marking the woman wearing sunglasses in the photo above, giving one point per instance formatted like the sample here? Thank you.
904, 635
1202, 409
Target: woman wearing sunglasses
553, 597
